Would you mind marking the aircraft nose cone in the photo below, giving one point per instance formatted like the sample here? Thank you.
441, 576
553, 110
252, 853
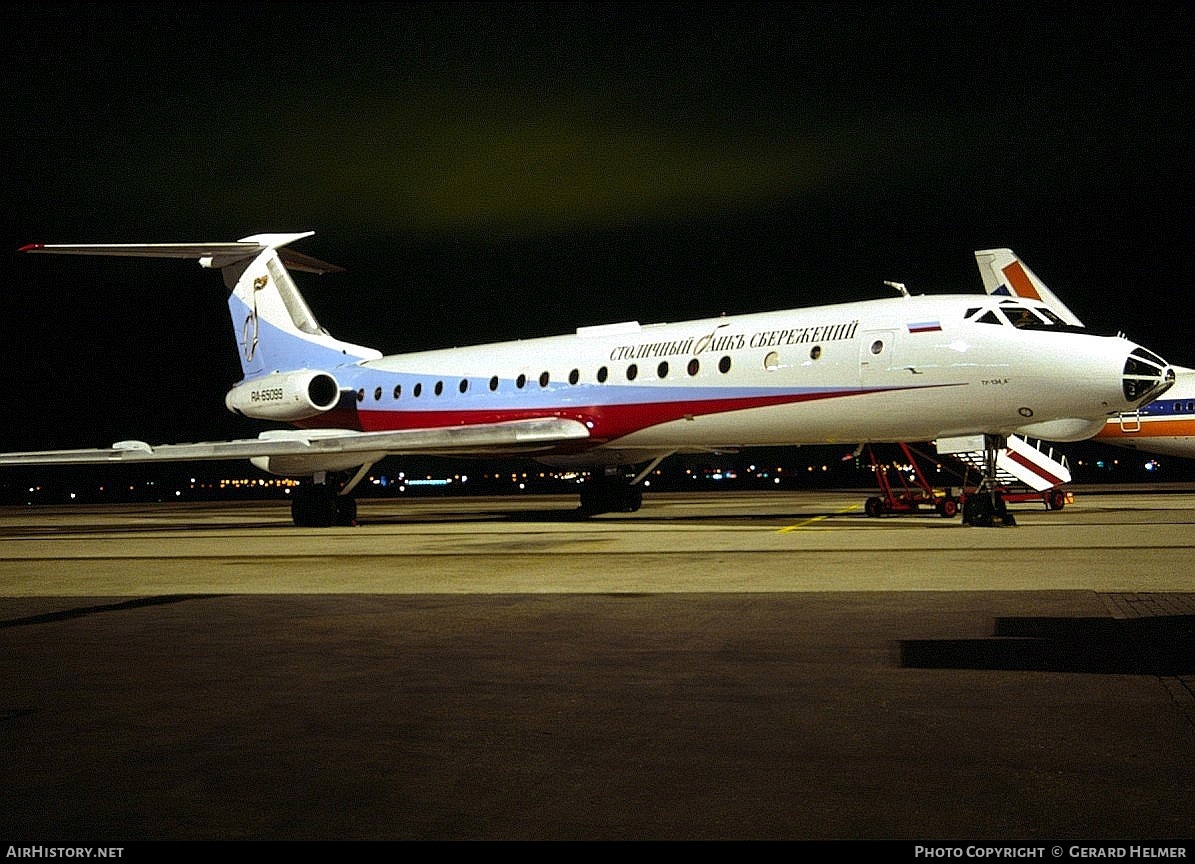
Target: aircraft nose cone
1146, 377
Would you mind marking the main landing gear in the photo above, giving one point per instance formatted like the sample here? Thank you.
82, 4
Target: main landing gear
985, 507
610, 492
323, 504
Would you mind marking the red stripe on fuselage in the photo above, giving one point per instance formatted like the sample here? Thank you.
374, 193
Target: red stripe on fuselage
606, 422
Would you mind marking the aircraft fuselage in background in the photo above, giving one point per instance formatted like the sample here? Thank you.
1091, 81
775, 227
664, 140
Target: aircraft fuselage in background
1165, 426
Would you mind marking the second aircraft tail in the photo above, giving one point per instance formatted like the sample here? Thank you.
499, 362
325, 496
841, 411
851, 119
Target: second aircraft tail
1004, 273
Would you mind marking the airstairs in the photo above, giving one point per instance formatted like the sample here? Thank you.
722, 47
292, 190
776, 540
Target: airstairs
1023, 462
1026, 470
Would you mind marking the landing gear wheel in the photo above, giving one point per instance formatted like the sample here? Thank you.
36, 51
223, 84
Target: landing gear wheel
977, 511
313, 507
346, 511
320, 507
987, 510
985, 507
610, 495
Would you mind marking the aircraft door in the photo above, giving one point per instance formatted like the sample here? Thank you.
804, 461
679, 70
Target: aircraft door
877, 356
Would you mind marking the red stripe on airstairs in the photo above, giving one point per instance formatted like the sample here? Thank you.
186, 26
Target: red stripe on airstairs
1034, 467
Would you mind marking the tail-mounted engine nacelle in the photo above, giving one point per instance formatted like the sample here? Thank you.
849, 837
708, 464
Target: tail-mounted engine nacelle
285, 395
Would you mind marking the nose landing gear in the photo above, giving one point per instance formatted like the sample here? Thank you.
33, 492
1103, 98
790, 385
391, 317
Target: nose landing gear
985, 507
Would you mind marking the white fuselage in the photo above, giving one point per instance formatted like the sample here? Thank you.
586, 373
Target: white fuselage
899, 369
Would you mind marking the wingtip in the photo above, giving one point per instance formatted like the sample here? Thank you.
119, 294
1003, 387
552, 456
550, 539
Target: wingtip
32, 247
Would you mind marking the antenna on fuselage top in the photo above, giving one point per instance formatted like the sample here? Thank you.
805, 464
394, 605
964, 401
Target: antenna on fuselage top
899, 286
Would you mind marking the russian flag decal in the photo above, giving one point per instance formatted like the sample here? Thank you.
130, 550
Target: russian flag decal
924, 327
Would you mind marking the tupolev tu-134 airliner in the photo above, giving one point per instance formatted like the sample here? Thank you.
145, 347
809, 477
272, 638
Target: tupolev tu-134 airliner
615, 400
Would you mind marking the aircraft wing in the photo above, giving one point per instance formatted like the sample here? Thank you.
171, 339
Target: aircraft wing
337, 445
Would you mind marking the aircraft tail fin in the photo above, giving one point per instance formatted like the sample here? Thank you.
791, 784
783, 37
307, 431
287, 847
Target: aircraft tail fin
274, 327
1004, 273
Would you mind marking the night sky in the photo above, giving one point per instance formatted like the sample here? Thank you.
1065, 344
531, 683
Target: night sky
498, 171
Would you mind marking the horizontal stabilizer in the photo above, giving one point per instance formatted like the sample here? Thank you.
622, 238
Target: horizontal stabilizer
213, 255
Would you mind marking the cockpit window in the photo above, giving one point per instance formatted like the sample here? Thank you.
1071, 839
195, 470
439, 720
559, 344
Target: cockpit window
1050, 316
1028, 317
1020, 314
1022, 318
